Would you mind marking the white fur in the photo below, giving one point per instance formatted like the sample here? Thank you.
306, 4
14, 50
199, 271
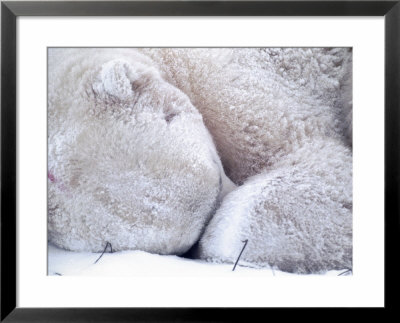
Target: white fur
262, 104
282, 116
134, 165
130, 161
297, 217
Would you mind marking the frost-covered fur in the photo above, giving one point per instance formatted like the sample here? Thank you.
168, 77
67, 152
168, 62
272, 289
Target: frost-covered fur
130, 160
262, 104
282, 116
296, 217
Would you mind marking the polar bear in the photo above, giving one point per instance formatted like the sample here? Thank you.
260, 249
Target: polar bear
130, 161
281, 120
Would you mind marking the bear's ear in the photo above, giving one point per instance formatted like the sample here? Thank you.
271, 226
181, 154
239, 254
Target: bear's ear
116, 79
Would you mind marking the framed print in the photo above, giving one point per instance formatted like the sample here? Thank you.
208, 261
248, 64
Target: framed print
195, 160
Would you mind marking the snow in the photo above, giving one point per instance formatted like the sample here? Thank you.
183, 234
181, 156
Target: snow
139, 263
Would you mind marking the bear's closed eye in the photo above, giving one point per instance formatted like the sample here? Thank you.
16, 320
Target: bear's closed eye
168, 117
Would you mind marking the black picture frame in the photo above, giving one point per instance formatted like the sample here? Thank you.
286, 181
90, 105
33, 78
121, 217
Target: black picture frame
11, 10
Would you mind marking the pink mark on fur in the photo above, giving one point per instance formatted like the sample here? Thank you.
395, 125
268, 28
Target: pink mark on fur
60, 185
51, 177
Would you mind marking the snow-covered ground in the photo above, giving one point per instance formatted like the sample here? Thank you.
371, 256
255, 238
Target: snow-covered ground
139, 263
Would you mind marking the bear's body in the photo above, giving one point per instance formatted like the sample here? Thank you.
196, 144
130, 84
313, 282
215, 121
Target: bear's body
281, 121
260, 105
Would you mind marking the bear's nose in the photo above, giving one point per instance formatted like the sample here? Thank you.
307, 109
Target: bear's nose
51, 177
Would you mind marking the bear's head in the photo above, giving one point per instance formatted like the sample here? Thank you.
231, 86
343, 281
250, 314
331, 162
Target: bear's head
130, 161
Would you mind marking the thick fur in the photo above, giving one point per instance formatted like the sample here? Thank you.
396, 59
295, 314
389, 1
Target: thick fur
281, 119
296, 217
130, 160
281, 122
263, 104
